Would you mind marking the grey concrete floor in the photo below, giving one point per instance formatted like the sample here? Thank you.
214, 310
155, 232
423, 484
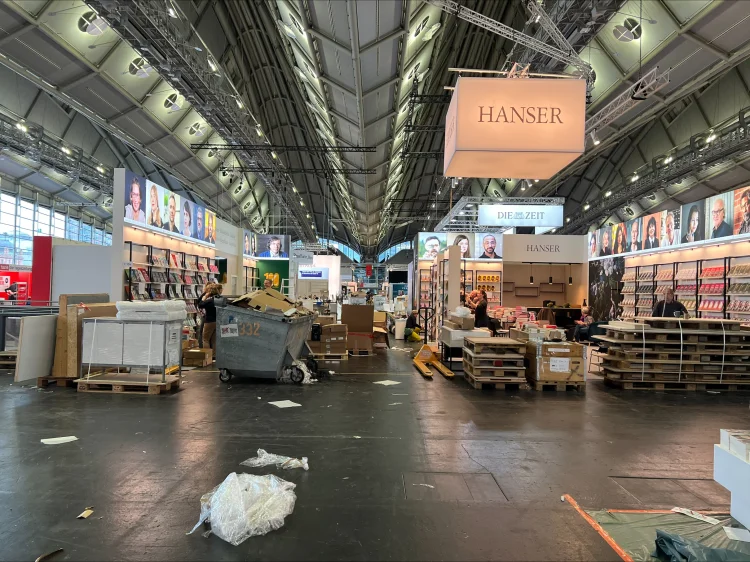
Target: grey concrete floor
499, 463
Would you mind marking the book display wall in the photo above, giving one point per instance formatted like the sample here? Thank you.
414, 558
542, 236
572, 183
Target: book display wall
251, 277
714, 288
487, 276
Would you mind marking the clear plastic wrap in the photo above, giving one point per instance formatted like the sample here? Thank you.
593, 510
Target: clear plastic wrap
264, 459
245, 505
151, 310
462, 312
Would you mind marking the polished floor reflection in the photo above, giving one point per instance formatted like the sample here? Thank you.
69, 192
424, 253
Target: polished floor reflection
497, 462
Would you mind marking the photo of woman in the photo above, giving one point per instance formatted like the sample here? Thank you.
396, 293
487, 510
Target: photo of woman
692, 222
593, 246
651, 239
246, 249
606, 248
154, 213
187, 220
620, 244
462, 241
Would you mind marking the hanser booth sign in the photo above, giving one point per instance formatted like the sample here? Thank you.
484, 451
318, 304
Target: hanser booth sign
514, 128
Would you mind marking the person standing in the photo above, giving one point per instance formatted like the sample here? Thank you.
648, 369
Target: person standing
208, 305
666, 308
481, 319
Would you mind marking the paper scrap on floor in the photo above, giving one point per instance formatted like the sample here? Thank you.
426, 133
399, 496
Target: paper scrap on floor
425, 485
59, 440
86, 512
264, 458
285, 404
395, 404
696, 515
737, 534
386, 382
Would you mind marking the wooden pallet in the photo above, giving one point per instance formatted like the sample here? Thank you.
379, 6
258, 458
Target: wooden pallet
559, 386
135, 386
674, 338
499, 383
672, 366
8, 360
490, 372
678, 377
330, 356
507, 360
674, 355
494, 346
695, 324
675, 385
44, 382
360, 353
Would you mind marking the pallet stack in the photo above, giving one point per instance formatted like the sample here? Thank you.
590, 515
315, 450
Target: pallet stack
672, 354
494, 362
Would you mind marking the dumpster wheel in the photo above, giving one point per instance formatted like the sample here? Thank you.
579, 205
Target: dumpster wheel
296, 375
225, 375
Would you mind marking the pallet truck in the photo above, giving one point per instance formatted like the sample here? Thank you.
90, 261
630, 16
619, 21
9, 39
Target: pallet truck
426, 357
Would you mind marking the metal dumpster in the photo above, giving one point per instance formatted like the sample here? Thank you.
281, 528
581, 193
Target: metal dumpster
256, 344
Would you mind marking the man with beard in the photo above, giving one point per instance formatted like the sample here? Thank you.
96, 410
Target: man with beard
489, 243
745, 208
172, 211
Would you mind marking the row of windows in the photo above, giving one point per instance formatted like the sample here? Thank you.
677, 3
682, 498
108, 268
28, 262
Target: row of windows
393, 250
20, 220
342, 248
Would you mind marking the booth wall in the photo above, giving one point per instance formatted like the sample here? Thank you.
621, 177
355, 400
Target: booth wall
518, 274
78, 269
333, 263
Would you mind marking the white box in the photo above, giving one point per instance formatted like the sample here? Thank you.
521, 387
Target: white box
733, 473
102, 342
739, 444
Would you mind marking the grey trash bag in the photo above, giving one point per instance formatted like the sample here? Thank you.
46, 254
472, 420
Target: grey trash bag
674, 548
245, 505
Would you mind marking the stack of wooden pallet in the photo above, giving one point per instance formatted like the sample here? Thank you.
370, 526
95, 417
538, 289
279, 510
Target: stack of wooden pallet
495, 362
672, 354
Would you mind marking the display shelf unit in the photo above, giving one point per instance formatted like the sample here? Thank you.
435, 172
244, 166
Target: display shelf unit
738, 288
487, 276
712, 288
251, 277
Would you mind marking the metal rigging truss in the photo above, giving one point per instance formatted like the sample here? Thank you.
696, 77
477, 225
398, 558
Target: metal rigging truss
150, 30
280, 147
728, 145
563, 52
256, 169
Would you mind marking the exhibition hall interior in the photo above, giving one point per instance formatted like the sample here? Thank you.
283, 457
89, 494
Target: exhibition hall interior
375, 280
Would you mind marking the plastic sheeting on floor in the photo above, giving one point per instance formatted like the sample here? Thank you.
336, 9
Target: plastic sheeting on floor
635, 533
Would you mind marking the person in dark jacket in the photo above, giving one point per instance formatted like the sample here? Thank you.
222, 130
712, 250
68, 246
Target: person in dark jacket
208, 306
481, 319
669, 306
412, 329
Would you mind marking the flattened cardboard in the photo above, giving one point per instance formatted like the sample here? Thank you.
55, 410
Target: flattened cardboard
358, 317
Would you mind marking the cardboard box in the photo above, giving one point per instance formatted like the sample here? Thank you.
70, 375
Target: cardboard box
462, 323
266, 302
554, 349
358, 317
359, 341
380, 337
556, 369
451, 325
189, 344
325, 320
333, 340
379, 319
200, 357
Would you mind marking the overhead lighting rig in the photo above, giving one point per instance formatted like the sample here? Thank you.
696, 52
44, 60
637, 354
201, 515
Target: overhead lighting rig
281, 147
271, 170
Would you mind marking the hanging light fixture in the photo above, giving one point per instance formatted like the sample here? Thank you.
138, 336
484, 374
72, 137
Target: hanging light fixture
531, 274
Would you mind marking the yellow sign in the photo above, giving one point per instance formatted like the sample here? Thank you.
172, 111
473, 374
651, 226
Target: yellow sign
514, 128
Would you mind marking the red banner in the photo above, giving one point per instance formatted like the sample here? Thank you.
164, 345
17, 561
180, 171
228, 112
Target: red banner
368, 270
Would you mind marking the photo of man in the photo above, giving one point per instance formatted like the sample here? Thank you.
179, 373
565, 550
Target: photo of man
634, 235
200, 213
135, 210
210, 227
489, 247
671, 229
720, 207
187, 220
173, 204
742, 211
431, 248
274, 246
431, 244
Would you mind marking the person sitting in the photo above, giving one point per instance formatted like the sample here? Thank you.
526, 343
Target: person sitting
581, 329
411, 332
669, 307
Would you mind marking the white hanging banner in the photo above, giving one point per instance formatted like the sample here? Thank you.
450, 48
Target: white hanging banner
520, 215
226, 237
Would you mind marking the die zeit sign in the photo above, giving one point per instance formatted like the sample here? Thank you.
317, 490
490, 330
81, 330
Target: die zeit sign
500, 128
549, 216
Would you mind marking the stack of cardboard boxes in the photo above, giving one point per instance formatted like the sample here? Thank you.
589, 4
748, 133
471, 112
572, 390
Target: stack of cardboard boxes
333, 340
360, 330
194, 356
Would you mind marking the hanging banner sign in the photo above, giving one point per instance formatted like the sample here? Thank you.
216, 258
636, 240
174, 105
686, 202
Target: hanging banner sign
530, 248
520, 128
318, 273
520, 215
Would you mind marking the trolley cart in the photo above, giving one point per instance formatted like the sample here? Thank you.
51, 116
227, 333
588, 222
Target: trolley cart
260, 345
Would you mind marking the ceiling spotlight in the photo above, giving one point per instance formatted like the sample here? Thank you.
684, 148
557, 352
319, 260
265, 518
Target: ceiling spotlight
567, 219
634, 178
711, 137
211, 65
586, 207
550, 280
439, 192
536, 181
531, 280
294, 189
301, 202
668, 159
308, 215
523, 188
100, 169
257, 129
66, 150
453, 220
570, 280
21, 126
608, 194
172, 13
273, 155
433, 205
594, 137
